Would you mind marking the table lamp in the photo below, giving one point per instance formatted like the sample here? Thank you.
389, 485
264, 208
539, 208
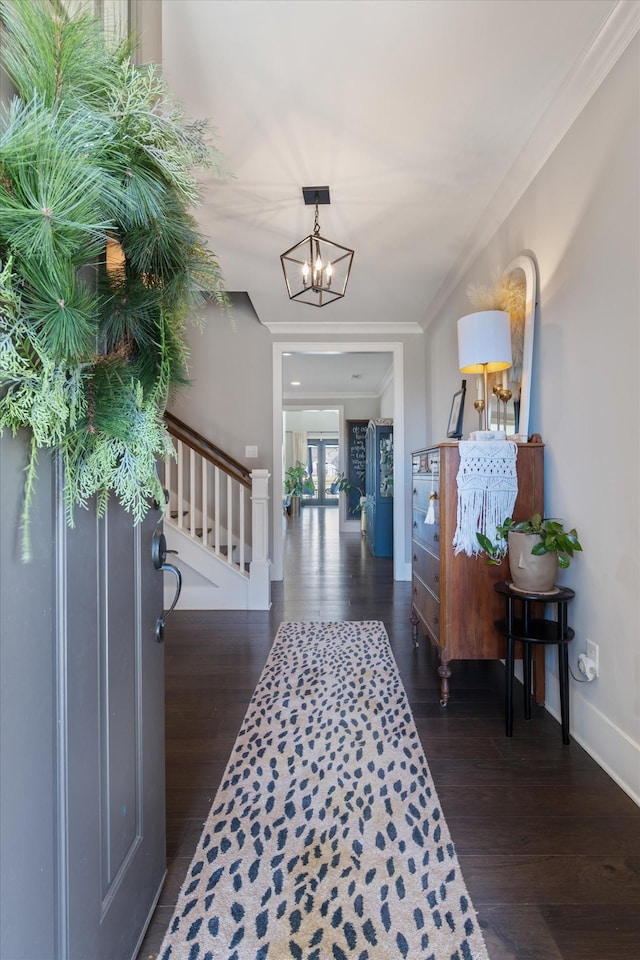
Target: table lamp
484, 346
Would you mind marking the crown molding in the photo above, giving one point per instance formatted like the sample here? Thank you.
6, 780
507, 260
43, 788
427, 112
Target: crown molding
333, 396
588, 72
366, 330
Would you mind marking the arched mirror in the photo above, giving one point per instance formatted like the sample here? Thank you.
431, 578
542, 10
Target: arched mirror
510, 391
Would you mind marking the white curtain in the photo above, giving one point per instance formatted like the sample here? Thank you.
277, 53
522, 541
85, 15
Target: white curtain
299, 447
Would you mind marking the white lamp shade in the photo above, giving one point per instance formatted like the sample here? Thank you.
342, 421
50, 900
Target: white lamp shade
484, 340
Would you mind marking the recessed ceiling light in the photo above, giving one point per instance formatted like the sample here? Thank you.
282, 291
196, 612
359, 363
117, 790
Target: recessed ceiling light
295, 383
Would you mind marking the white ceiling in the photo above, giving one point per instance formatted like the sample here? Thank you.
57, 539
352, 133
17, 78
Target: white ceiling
327, 376
426, 118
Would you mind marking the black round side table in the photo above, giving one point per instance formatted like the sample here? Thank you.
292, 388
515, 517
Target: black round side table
532, 630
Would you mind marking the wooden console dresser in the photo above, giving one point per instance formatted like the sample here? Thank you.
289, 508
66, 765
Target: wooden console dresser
452, 596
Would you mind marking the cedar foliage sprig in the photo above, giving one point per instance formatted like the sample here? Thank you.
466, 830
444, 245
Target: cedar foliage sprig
94, 150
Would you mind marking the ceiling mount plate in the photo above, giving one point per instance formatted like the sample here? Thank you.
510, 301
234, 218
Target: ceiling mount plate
313, 195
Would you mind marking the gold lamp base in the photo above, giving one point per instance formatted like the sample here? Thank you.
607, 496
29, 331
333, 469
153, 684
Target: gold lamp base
479, 406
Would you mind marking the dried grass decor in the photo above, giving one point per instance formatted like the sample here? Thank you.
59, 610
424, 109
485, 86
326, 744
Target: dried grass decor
507, 292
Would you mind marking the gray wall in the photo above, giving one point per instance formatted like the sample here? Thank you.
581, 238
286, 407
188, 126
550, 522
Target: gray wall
230, 400
580, 218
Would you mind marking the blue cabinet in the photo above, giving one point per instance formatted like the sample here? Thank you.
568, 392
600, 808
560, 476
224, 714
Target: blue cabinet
379, 487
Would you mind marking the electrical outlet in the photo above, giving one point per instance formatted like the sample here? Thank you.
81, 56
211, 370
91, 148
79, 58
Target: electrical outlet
586, 666
593, 653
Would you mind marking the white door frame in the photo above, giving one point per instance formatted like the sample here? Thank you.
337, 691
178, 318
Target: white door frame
399, 527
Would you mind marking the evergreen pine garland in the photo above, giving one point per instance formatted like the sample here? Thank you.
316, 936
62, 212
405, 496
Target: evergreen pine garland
94, 153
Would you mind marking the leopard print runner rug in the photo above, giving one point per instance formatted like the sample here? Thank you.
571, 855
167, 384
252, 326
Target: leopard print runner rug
326, 838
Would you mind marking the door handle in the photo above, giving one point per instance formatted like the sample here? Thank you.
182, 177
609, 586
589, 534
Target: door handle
159, 553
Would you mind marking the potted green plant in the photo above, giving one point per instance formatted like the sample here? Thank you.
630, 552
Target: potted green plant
297, 482
536, 546
343, 485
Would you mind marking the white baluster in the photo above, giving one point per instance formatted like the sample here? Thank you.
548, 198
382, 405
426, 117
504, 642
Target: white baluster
229, 520
205, 502
241, 544
192, 492
180, 483
167, 483
216, 509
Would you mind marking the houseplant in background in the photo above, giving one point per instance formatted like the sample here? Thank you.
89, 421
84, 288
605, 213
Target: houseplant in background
343, 485
536, 547
296, 482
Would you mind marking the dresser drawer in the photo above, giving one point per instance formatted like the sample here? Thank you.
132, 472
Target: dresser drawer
427, 534
427, 568
426, 462
422, 492
427, 607
419, 462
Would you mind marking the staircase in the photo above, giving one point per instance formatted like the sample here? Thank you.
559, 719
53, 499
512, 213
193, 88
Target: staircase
216, 521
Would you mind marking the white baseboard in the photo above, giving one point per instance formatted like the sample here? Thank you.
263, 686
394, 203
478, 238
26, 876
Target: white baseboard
612, 748
207, 597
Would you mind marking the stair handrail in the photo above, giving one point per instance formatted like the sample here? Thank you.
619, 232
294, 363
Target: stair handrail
181, 431
217, 509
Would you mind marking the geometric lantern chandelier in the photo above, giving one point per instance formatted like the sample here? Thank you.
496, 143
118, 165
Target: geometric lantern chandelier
316, 270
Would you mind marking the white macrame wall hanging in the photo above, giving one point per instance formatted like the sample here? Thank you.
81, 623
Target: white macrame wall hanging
487, 490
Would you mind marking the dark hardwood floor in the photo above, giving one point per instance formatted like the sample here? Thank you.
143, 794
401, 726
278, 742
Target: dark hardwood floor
549, 845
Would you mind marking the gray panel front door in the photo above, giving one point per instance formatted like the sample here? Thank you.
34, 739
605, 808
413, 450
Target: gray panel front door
115, 689
82, 809
27, 714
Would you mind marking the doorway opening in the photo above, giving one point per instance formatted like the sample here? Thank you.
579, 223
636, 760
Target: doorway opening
323, 466
312, 439
401, 565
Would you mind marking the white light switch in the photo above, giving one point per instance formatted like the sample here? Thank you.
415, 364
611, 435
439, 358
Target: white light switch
251, 453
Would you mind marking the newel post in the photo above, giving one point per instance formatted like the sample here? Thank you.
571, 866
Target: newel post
260, 566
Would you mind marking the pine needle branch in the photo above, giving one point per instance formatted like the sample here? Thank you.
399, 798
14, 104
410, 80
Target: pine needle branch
95, 155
